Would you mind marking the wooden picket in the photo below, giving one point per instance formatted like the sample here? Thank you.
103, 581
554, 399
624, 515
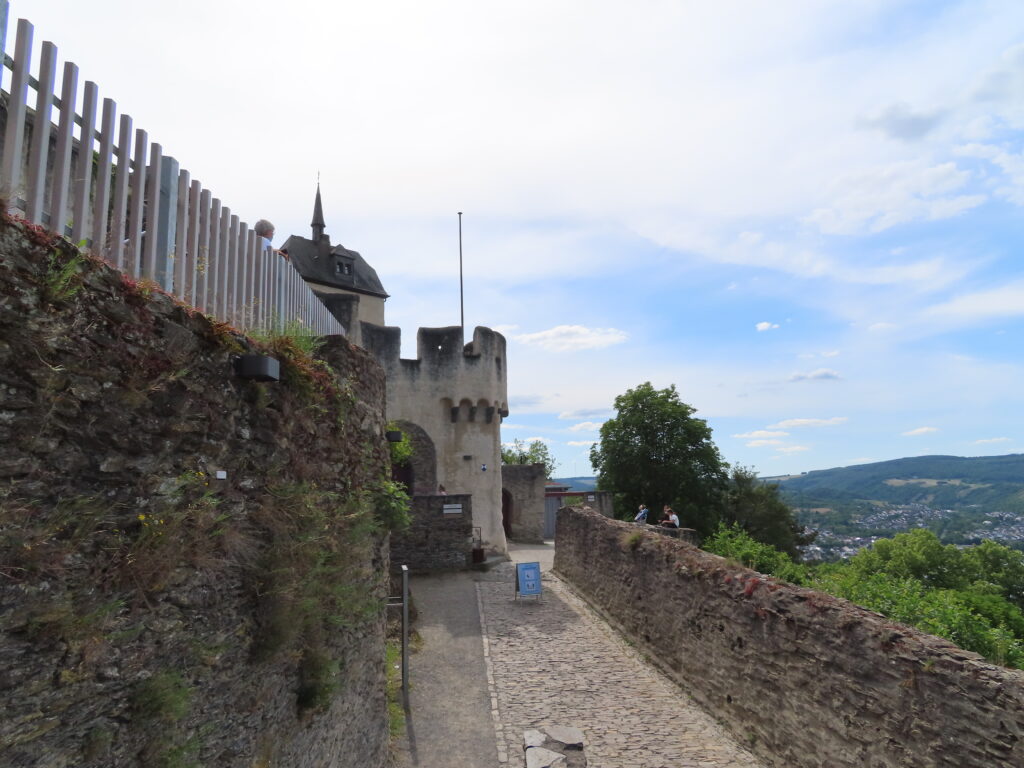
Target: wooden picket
137, 208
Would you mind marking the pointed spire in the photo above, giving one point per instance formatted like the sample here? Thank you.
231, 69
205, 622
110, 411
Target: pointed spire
318, 217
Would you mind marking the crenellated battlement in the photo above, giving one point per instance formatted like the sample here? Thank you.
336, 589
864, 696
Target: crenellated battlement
452, 369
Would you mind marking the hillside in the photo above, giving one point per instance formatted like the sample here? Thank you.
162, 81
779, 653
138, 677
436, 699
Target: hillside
964, 500
985, 483
578, 483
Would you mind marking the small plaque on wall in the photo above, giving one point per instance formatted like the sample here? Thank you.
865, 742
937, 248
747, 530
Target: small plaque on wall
452, 509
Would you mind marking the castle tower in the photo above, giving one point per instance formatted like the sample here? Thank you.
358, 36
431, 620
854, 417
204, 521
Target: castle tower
457, 395
453, 396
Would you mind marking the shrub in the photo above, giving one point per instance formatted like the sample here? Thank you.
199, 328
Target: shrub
943, 612
735, 543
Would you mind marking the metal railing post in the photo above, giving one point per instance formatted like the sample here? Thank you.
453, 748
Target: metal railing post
405, 630
5, 8
165, 249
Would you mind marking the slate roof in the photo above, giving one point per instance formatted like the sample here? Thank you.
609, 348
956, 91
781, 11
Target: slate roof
337, 266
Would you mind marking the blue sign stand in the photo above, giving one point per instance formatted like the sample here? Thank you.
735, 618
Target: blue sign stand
528, 579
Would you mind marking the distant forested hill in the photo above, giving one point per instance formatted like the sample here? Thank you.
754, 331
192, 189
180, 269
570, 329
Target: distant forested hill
578, 483
985, 484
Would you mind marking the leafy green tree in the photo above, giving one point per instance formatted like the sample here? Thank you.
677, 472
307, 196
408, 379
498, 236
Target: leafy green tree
997, 565
537, 452
655, 451
758, 509
916, 554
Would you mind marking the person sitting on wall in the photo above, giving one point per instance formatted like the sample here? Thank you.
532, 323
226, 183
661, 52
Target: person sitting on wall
641, 516
671, 520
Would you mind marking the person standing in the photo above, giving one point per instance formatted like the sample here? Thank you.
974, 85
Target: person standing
641, 516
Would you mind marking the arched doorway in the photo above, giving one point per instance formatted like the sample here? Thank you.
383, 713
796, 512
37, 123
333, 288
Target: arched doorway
419, 473
506, 512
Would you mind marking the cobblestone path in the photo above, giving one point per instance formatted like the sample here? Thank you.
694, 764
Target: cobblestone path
555, 662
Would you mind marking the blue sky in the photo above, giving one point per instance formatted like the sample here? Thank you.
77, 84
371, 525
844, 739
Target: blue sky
805, 215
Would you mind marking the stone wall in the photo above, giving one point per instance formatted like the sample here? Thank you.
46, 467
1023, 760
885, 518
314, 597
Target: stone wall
435, 541
525, 485
803, 678
192, 571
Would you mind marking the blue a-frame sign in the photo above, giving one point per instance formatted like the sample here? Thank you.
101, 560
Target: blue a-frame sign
528, 579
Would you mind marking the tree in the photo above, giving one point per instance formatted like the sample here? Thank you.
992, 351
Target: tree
757, 508
537, 452
655, 451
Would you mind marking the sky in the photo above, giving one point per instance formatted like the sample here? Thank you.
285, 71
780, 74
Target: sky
804, 214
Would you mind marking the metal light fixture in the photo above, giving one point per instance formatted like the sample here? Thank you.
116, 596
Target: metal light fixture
257, 368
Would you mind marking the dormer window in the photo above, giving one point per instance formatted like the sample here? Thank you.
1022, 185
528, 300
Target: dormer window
342, 267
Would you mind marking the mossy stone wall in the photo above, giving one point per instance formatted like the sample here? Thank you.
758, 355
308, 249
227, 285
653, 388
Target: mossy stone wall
152, 613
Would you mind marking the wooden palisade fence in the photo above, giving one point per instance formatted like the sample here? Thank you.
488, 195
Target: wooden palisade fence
146, 217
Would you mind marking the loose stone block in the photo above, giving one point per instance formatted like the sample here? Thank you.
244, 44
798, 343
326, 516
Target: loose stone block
570, 737
538, 757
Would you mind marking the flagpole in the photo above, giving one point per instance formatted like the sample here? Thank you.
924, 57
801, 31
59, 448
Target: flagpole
462, 307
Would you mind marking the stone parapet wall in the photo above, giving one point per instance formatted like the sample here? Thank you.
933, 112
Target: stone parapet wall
163, 528
435, 541
803, 678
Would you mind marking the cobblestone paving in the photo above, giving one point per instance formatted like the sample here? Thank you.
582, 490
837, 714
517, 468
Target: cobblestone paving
555, 662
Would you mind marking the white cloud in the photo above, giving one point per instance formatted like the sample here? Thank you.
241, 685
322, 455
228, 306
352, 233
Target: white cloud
830, 353
760, 434
795, 423
1009, 163
766, 326
793, 448
919, 431
586, 426
547, 440
585, 413
505, 329
581, 442
1004, 301
509, 425
985, 440
821, 374
565, 338
763, 443
882, 197
807, 261
877, 327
